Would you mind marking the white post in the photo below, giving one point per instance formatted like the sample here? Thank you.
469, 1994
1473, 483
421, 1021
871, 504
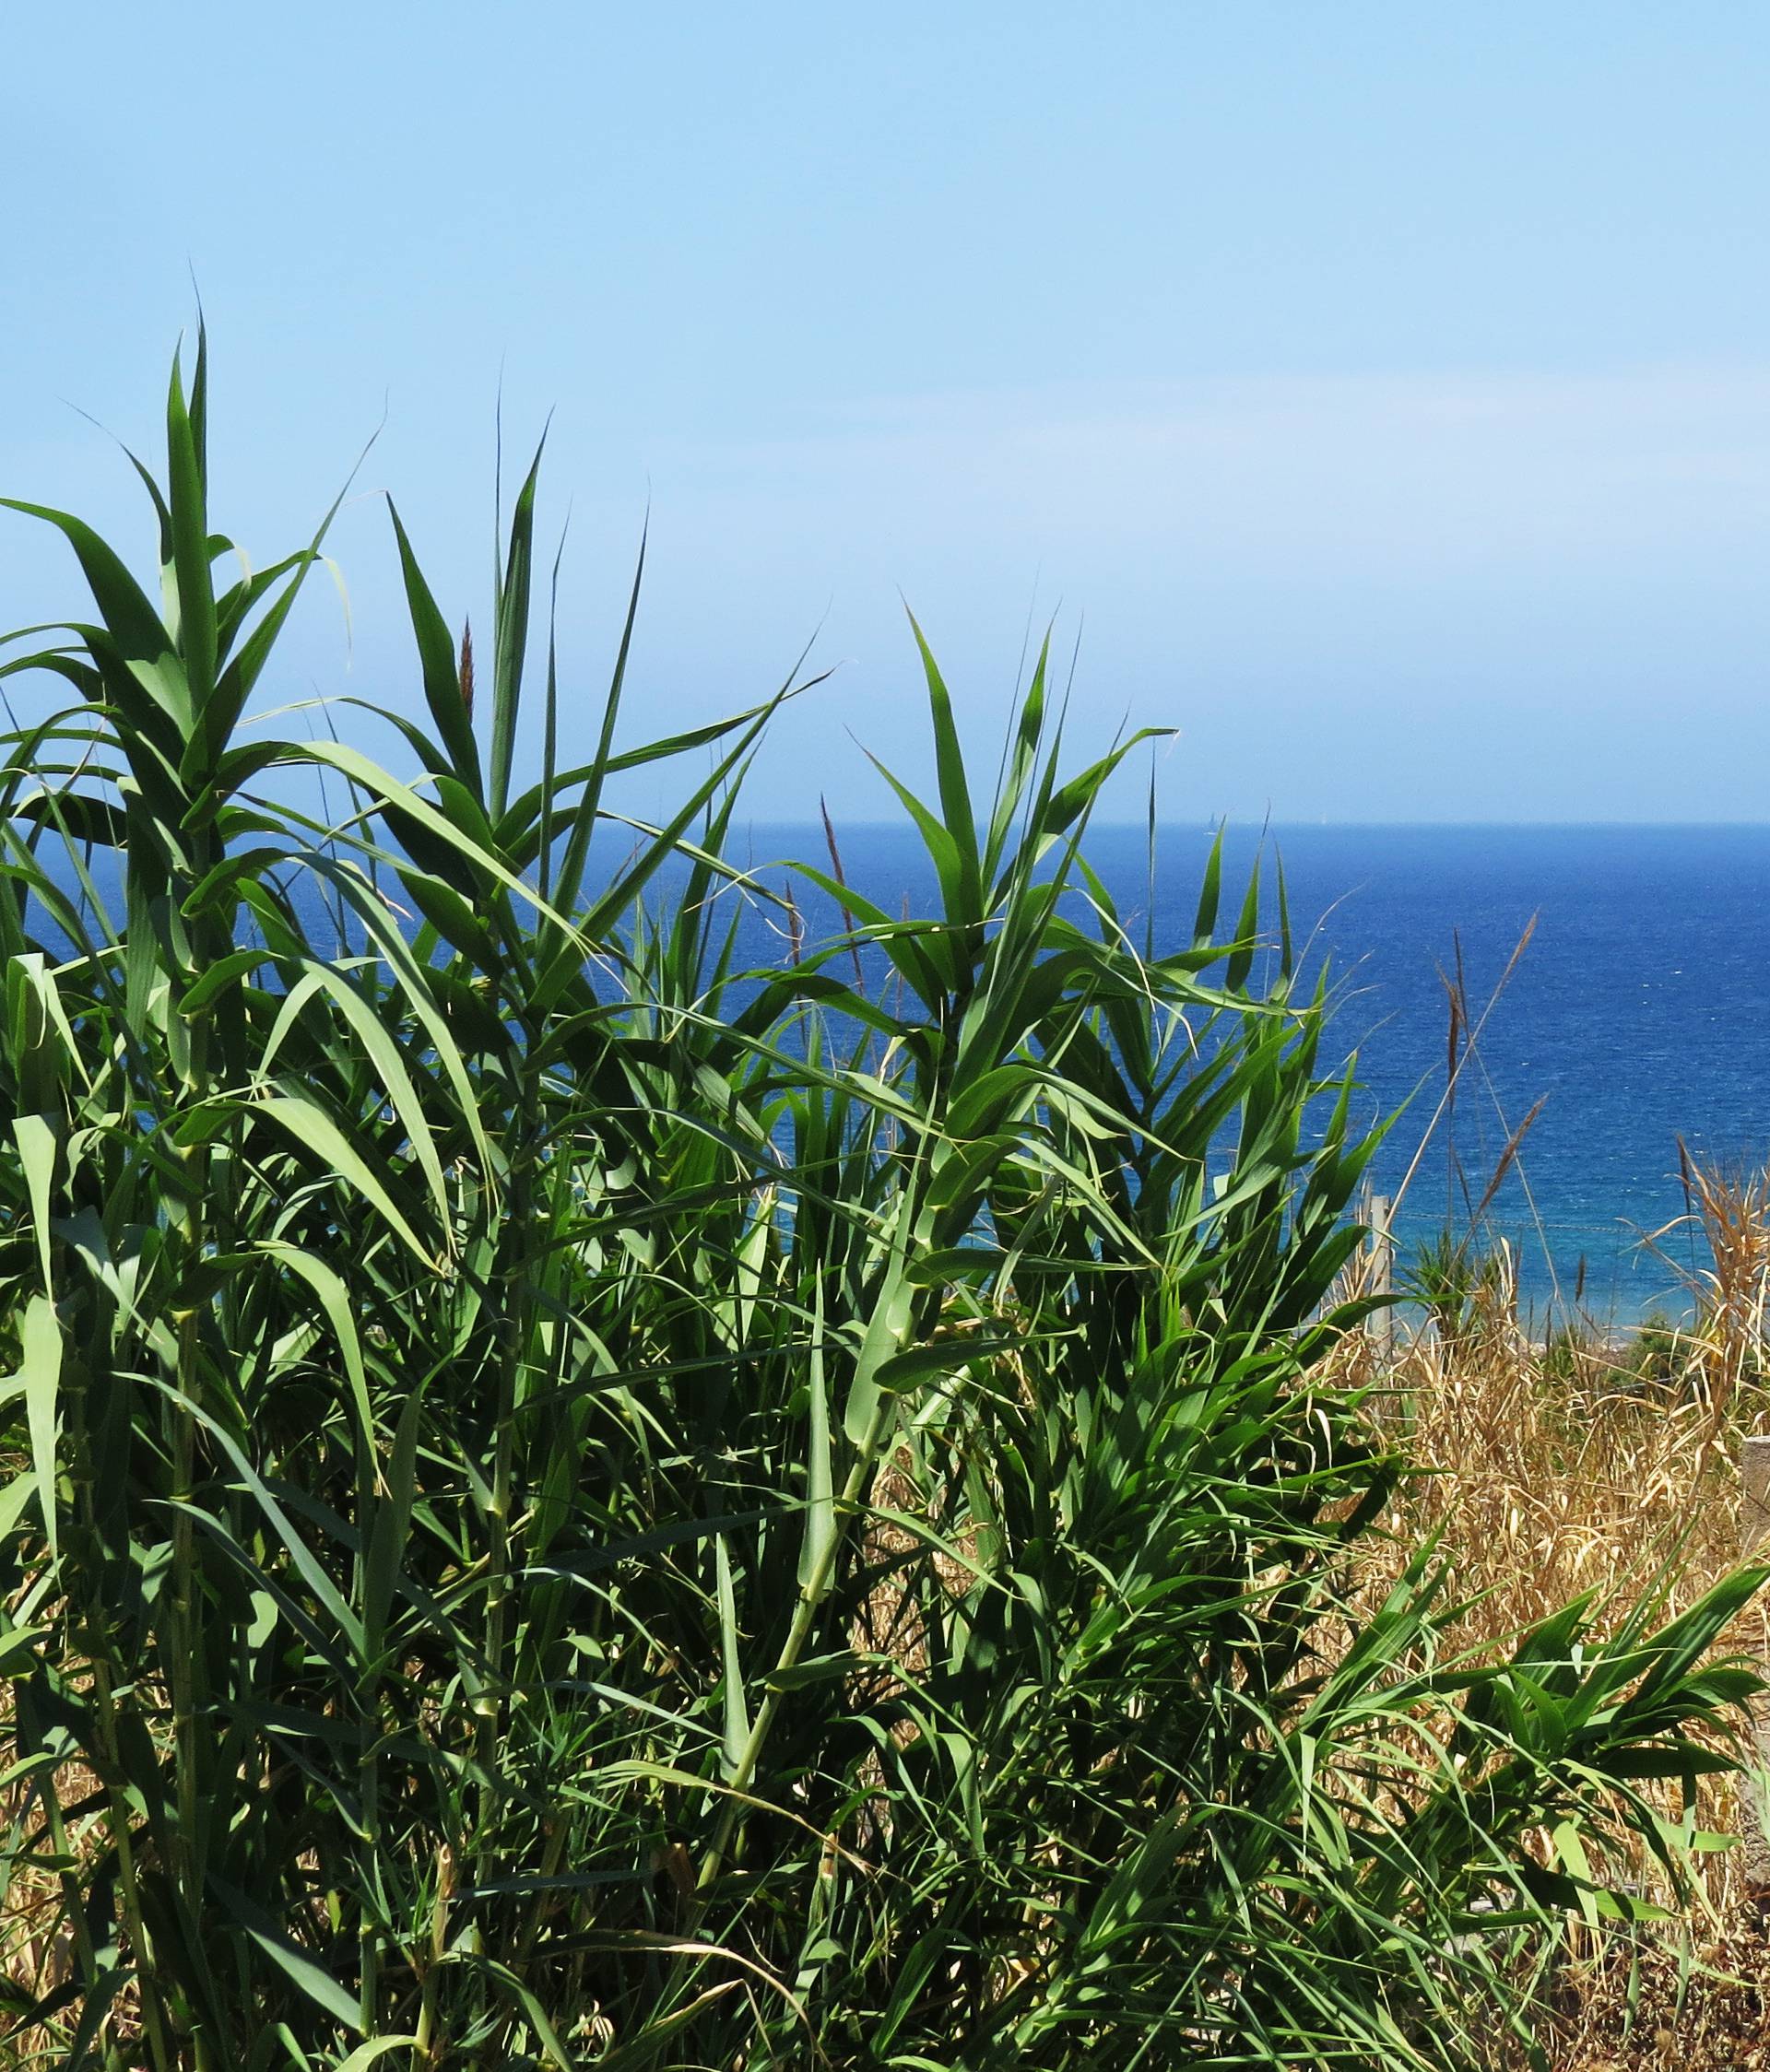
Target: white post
1382, 1325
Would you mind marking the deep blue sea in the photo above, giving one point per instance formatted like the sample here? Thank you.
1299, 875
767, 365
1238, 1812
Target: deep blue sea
1640, 1011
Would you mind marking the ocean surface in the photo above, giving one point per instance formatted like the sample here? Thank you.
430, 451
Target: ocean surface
1638, 1014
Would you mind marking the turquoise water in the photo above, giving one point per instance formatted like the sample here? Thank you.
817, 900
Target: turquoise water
1639, 1012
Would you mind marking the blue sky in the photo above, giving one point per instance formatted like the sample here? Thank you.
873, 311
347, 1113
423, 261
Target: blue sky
1383, 392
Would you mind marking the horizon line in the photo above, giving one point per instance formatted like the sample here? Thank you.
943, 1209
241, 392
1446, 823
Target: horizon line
1235, 823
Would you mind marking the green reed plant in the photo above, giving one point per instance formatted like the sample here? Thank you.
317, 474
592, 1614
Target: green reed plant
580, 1505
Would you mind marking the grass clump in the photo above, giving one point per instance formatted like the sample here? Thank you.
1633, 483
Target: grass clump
580, 1506
1596, 1464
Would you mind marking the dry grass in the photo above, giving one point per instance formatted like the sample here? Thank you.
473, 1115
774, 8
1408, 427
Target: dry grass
1597, 1463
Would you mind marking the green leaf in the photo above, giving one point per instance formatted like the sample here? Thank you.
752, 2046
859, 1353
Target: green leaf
335, 1301
318, 1137
40, 1369
365, 2055
736, 1707
35, 1137
511, 638
187, 501
391, 1526
19, 1649
818, 1541
317, 1984
383, 1053
437, 665
955, 790
142, 643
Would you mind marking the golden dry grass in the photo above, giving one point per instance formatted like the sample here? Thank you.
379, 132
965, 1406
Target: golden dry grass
1551, 1471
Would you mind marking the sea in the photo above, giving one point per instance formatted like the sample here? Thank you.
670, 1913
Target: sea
1619, 978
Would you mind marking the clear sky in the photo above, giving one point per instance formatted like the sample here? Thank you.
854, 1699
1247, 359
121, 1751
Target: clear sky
1382, 391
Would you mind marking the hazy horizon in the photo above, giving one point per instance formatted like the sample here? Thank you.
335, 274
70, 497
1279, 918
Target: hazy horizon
1255, 824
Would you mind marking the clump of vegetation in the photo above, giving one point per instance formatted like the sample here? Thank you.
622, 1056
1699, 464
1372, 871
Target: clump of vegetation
1656, 1350
579, 1506
1591, 1463
1466, 1289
